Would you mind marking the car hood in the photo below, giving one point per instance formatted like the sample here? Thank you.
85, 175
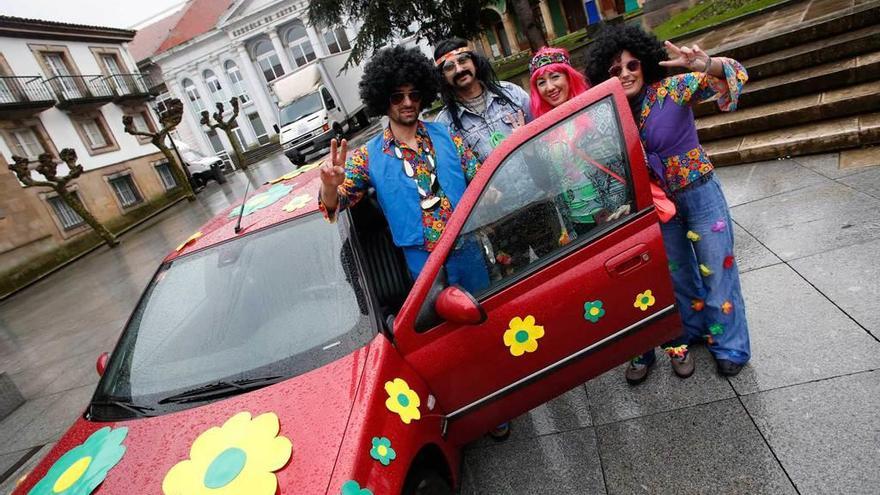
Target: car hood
313, 410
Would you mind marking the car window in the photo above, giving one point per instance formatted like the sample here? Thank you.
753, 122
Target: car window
559, 189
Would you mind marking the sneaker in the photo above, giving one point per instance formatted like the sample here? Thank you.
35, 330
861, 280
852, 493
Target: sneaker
683, 366
500, 433
728, 368
636, 373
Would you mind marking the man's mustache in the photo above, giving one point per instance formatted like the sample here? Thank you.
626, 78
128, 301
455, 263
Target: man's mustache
462, 74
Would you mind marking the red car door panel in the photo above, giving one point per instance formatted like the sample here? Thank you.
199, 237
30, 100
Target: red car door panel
568, 309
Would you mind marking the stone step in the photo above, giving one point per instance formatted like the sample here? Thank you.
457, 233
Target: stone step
841, 73
841, 46
806, 139
255, 155
820, 27
10, 397
836, 103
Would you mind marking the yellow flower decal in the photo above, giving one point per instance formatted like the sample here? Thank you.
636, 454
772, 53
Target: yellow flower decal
644, 300
402, 400
297, 203
522, 335
191, 240
239, 457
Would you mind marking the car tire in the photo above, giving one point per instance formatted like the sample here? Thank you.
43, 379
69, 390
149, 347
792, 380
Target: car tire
218, 175
338, 131
296, 157
426, 482
197, 181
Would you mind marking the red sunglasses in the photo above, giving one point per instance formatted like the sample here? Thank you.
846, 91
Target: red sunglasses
631, 66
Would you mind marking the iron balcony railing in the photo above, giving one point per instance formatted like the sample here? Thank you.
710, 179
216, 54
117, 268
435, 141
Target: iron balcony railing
24, 90
80, 89
125, 85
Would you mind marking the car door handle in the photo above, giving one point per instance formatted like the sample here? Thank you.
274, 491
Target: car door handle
627, 261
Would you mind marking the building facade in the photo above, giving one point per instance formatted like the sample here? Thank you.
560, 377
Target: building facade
69, 86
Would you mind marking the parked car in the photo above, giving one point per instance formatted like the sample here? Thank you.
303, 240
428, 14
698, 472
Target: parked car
295, 356
202, 168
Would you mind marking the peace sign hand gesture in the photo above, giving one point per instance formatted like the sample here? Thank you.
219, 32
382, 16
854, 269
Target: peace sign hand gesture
693, 59
333, 174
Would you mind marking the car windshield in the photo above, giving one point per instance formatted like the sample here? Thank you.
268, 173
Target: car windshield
276, 303
301, 107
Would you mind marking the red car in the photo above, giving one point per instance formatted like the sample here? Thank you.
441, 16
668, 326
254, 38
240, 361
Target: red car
296, 356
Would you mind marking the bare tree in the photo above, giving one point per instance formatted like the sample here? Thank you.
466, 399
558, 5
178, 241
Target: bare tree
530, 27
169, 120
49, 169
226, 126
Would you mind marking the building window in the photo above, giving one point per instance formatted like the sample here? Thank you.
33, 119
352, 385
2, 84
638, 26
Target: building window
165, 175
213, 84
193, 95
26, 143
126, 192
93, 131
268, 61
258, 127
239, 135
336, 40
301, 50
67, 216
60, 76
216, 144
237, 82
142, 123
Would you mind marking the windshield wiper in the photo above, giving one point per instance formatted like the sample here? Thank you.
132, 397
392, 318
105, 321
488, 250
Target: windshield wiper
137, 409
221, 389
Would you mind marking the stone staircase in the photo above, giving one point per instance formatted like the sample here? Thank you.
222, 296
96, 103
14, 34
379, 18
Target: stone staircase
261, 153
813, 87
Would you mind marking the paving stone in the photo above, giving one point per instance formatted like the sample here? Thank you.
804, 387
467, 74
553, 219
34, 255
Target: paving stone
861, 157
562, 463
867, 181
811, 220
10, 396
751, 254
752, 181
10, 459
797, 335
850, 277
21, 418
707, 449
827, 164
62, 411
613, 399
826, 434
569, 411
8, 485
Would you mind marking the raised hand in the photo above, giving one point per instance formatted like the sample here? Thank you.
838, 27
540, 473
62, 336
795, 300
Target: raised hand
693, 59
333, 168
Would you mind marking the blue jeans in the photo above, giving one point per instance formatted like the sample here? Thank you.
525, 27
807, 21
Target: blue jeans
699, 245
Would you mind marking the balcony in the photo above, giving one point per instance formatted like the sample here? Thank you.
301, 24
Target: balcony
23, 96
81, 91
130, 87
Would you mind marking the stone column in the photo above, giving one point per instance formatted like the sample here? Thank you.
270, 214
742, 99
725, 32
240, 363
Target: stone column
256, 87
317, 41
190, 120
510, 30
487, 47
281, 51
548, 20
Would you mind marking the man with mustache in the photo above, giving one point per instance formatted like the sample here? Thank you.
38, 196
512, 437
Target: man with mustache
419, 169
485, 111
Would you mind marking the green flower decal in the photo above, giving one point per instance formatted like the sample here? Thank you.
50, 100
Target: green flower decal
716, 328
351, 487
593, 311
382, 451
262, 200
81, 469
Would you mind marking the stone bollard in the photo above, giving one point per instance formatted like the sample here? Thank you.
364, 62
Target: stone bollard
10, 397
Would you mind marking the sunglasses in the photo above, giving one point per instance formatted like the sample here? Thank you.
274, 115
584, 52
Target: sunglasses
449, 66
398, 97
631, 66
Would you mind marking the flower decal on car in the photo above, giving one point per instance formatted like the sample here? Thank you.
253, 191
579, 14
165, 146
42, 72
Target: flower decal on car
239, 457
593, 311
402, 400
190, 241
645, 300
297, 203
262, 200
382, 451
522, 335
81, 469
351, 487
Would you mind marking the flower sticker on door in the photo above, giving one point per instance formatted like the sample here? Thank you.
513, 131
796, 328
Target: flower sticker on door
593, 311
297, 203
522, 335
644, 300
259, 201
352, 487
382, 451
239, 457
402, 400
81, 469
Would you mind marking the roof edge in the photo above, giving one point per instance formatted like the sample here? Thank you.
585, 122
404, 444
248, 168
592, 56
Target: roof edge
22, 27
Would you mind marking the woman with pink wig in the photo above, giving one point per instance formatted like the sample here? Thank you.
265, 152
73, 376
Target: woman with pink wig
553, 80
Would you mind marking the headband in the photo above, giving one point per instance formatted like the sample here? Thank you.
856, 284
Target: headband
547, 57
450, 55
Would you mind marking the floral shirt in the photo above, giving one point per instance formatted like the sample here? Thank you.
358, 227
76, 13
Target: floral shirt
669, 132
357, 178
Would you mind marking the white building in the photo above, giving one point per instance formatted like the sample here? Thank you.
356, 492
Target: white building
216, 49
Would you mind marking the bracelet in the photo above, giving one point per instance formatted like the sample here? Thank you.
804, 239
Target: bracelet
708, 64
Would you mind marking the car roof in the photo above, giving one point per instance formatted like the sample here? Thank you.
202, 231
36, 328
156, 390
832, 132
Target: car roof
279, 200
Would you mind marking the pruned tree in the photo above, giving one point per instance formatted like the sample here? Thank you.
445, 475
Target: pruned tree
527, 23
48, 168
226, 125
169, 120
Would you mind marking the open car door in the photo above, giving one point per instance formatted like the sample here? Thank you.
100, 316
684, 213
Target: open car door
589, 290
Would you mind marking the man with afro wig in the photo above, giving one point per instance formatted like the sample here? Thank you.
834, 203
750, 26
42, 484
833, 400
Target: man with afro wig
419, 169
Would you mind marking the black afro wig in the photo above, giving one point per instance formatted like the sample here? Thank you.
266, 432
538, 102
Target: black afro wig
393, 67
611, 40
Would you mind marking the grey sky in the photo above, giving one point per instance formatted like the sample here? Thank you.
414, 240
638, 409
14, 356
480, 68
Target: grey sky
111, 13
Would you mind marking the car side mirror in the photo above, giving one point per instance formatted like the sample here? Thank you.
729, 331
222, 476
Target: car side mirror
457, 305
101, 365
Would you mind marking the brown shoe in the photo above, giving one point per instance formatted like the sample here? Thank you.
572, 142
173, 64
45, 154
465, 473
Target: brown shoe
683, 367
637, 373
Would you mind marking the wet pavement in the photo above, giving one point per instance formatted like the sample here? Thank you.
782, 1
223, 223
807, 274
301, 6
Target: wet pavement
801, 418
